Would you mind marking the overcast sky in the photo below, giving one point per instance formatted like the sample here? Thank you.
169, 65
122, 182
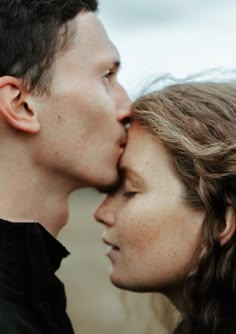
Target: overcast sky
180, 37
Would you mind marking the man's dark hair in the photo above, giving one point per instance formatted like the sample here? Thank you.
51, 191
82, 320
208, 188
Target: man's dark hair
31, 33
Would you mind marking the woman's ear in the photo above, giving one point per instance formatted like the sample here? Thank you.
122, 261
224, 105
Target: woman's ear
229, 227
14, 105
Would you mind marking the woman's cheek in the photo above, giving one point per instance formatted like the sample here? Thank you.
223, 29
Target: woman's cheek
139, 227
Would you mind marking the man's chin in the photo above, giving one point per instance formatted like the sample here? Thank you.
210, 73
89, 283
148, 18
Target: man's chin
110, 187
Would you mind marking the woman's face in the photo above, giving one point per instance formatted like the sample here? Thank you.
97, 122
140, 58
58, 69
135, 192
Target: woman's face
151, 233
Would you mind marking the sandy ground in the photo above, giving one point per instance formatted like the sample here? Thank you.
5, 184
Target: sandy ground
94, 305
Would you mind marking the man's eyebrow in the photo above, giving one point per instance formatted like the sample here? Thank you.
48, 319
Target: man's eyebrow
116, 64
112, 62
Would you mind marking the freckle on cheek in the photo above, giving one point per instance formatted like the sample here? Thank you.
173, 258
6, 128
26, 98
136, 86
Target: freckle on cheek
59, 117
144, 234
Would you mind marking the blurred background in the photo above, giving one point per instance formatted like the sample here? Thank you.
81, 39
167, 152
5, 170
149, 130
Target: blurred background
180, 37
154, 37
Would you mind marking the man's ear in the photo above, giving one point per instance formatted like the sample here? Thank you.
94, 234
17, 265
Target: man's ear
229, 227
15, 107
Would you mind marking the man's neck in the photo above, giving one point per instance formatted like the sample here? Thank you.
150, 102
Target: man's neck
29, 194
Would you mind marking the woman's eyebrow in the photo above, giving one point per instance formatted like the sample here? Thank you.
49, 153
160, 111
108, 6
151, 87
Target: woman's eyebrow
129, 173
125, 173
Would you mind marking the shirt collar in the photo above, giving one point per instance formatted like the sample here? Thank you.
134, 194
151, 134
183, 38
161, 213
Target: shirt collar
29, 257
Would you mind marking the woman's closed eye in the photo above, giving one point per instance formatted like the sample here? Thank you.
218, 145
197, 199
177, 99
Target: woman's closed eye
128, 191
129, 194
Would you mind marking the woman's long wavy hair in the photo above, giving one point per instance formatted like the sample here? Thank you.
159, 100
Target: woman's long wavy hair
196, 122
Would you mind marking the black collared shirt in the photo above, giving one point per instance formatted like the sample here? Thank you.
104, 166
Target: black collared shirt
32, 298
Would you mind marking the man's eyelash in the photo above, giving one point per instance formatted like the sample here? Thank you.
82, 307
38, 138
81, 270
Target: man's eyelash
109, 74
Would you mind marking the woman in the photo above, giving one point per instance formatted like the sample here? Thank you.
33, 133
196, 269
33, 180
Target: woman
171, 224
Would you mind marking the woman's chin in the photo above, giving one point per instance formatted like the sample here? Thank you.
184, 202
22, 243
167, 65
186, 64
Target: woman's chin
126, 285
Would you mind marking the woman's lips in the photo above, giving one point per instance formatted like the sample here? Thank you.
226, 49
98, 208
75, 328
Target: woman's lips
110, 244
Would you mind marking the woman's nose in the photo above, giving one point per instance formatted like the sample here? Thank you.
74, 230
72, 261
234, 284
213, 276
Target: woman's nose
104, 213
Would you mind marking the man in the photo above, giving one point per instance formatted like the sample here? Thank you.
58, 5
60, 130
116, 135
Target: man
62, 113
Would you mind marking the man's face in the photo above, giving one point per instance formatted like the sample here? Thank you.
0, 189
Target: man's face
82, 135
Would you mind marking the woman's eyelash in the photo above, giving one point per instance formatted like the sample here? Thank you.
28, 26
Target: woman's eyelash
129, 194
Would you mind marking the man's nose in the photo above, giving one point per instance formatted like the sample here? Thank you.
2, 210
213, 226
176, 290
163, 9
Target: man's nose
123, 112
